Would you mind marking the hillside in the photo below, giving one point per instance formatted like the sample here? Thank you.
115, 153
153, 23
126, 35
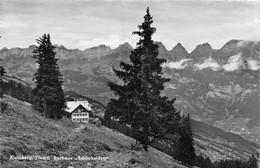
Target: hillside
49, 143
215, 86
209, 141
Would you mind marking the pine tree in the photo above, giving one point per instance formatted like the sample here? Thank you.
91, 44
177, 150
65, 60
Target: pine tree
252, 162
139, 102
184, 150
2, 72
107, 116
49, 97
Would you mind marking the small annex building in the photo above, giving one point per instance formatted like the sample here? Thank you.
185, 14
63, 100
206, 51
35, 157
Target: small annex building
79, 110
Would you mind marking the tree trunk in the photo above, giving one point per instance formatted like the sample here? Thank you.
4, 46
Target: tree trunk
146, 138
44, 107
1, 86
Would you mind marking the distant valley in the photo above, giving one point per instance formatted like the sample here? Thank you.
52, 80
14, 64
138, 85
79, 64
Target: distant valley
218, 87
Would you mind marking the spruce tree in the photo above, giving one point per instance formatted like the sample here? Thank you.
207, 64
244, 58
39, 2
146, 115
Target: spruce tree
139, 102
252, 162
2, 72
184, 150
107, 116
49, 97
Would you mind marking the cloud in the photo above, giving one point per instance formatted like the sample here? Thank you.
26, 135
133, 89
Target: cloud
182, 64
242, 43
132, 40
209, 63
253, 65
110, 40
234, 63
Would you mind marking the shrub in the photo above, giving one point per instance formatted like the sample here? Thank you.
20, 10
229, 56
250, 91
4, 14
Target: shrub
106, 147
3, 106
56, 145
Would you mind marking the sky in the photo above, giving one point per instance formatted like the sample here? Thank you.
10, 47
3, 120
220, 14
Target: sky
83, 24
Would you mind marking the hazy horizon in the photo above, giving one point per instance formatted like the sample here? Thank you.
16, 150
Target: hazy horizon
84, 24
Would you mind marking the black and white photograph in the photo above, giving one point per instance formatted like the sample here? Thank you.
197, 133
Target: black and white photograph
129, 84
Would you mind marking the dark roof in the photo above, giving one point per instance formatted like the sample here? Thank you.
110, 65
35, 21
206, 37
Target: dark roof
81, 107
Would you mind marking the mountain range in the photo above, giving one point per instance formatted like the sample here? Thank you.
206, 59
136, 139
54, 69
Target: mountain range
209, 141
219, 87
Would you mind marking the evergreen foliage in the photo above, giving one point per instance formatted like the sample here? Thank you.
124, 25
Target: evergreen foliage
2, 71
107, 116
199, 161
184, 150
205, 162
139, 103
49, 97
252, 162
18, 91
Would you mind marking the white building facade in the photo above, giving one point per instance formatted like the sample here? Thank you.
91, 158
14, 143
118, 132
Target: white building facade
79, 111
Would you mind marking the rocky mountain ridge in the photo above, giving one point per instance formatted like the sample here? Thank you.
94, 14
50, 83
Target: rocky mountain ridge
216, 86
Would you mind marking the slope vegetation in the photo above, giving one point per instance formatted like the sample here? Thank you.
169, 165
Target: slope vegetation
29, 140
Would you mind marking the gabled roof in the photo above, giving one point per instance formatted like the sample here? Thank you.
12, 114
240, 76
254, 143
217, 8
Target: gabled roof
80, 107
72, 105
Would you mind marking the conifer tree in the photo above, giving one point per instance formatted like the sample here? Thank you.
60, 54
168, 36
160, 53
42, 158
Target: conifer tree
184, 150
49, 97
107, 116
252, 162
139, 102
2, 72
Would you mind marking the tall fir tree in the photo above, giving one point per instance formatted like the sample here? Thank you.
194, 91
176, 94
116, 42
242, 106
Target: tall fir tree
252, 162
107, 116
49, 97
184, 150
2, 72
139, 102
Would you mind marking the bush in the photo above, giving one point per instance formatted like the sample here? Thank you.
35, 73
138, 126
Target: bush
3, 106
106, 147
5, 154
56, 145
134, 160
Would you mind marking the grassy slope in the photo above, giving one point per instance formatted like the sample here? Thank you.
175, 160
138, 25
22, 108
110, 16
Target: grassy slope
214, 140
23, 132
